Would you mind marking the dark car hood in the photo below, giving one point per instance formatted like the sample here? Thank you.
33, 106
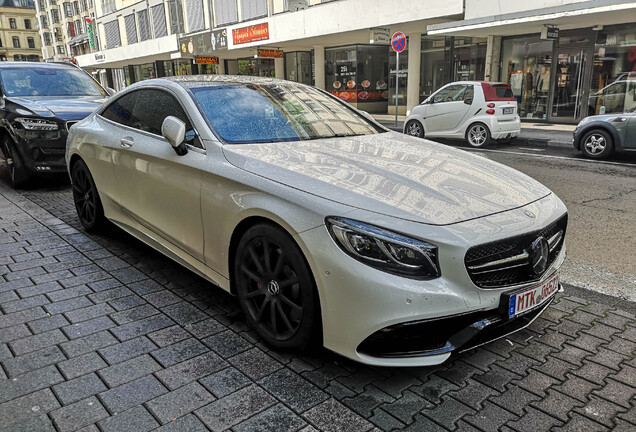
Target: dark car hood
62, 107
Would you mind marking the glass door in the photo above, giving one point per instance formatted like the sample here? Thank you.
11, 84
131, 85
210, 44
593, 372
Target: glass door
569, 92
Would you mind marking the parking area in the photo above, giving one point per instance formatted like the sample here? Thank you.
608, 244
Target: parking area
101, 333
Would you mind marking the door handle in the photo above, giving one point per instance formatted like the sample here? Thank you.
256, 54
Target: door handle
126, 142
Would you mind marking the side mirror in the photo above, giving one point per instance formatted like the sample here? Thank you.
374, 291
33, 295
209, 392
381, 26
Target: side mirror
173, 130
111, 91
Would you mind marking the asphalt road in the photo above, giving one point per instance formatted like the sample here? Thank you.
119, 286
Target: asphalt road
601, 200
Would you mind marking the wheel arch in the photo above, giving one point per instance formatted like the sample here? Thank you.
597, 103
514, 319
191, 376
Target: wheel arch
605, 127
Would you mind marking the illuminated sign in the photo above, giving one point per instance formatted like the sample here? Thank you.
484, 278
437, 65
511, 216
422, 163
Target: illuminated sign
252, 33
206, 60
270, 53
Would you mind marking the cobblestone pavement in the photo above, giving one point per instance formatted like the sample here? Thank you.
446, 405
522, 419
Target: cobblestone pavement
101, 333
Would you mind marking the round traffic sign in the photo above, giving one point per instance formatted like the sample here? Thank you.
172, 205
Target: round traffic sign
398, 42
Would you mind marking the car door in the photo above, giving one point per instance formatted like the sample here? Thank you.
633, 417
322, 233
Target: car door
161, 190
445, 110
630, 134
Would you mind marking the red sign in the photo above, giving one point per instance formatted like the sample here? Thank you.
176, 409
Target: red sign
270, 53
253, 33
398, 42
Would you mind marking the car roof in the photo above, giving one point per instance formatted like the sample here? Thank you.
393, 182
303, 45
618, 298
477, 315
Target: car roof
228, 79
12, 64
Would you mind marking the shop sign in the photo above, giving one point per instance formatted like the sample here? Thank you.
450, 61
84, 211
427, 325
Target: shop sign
90, 31
380, 35
100, 57
252, 33
272, 53
206, 60
550, 33
204, 43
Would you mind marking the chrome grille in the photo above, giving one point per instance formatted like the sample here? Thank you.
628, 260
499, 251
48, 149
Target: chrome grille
508, 262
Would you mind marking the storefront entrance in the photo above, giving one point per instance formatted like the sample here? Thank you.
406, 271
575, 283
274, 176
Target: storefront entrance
570, 83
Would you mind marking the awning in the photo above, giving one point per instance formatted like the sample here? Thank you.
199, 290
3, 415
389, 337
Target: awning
78, 39
569, 16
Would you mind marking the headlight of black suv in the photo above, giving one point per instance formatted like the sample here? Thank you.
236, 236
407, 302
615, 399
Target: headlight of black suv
385, 250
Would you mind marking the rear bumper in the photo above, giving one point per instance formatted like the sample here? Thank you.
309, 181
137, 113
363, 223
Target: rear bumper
505, 129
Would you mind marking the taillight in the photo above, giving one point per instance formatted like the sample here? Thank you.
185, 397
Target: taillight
490, 111
491, 105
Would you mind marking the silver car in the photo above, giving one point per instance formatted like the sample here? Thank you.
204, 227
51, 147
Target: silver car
328, 228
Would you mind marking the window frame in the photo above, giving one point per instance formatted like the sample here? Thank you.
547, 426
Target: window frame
13, 25
16, 42
446, 89
197, 138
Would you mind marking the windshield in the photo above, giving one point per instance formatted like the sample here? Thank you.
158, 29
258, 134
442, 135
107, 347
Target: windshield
48, 81
277, 112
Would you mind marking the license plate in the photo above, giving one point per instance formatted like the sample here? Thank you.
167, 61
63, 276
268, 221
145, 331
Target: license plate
529, 299
508, 110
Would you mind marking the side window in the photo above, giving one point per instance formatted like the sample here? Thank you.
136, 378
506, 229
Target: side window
450, 94
121, 110
153, 106
469, 94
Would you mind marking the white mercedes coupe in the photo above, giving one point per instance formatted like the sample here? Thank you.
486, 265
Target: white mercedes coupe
330, 229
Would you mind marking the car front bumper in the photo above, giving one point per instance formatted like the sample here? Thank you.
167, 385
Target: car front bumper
359, 302
42, 151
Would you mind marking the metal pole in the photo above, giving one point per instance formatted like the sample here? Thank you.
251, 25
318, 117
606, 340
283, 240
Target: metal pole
397, 69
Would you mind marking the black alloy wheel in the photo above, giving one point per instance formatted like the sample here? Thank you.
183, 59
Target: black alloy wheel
17, 173
87, 202
415, 128
275, 288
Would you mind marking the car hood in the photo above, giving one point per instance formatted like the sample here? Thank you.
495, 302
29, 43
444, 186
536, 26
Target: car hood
62, 107
392, 174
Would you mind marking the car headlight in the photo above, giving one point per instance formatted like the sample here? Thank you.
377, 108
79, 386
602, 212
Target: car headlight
37, 124
385, 250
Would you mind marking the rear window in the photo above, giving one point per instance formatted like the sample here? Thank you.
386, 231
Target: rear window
497, 92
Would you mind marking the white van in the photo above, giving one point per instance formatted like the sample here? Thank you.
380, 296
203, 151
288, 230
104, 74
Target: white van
475, 110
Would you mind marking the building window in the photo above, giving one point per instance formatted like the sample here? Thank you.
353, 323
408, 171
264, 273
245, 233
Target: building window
144, 25
44, 23
194, 9
68, 11
111, 30
55, 16
57, 33
78, 27
251, 9
76, 8
0, 42
70, 29
60, 49
159, 20
47, 38
176, 17
31, 42
225, 12
12, 23
131, 29
16, 42
27, 24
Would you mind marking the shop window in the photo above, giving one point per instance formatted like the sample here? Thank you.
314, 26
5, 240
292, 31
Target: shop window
613, 85
526, 66
298, 67
358, 74
257, 67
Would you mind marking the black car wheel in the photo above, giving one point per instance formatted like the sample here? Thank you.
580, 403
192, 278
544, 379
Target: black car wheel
17, 173
478, 135
415, 128
87, 202
597, 144
275, 288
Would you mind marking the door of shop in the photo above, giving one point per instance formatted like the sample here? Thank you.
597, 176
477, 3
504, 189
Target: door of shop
570, 83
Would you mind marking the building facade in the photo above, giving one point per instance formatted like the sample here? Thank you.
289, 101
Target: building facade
556, 54
64, 27
19, 39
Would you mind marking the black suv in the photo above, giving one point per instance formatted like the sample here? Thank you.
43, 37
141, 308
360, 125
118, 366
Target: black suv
38, 103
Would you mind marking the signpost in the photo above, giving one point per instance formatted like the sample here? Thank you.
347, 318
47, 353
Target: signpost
398, 43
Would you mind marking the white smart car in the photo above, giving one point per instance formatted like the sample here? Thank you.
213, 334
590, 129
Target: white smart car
385, 248
475, 110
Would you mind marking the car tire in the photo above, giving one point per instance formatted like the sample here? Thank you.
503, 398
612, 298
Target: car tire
478, 135
18, 175
86, 198
597, 144
276, 289
414, 128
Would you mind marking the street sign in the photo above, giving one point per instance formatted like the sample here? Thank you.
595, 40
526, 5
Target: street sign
398, 42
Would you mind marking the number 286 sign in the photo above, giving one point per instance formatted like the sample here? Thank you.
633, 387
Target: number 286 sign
398, 42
